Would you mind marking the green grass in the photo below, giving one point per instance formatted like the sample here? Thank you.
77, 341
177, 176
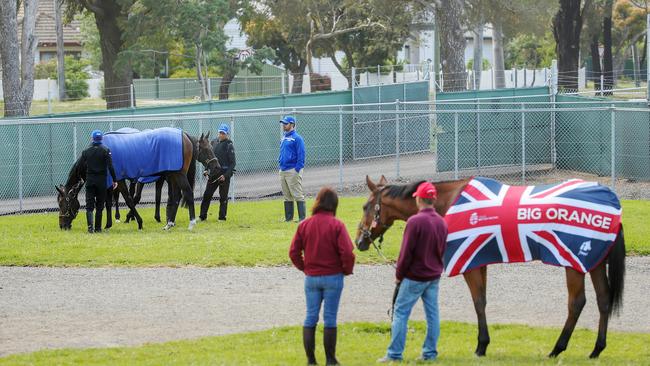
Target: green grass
253, 235
360, 344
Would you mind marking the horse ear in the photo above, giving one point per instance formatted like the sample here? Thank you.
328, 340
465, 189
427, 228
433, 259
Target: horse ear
370, 184
382, 181
208, 135
201, 138
58, 188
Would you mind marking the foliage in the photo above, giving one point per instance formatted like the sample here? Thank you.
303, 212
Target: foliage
485, 64
530, 51
91, 50
361, 344
253, 235
76, 83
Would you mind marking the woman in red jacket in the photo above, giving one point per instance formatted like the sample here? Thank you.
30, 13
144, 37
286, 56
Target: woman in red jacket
322, 248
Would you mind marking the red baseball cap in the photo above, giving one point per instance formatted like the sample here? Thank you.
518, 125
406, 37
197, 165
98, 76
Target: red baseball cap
426, 190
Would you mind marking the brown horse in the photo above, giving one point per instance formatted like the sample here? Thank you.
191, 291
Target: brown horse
388, 203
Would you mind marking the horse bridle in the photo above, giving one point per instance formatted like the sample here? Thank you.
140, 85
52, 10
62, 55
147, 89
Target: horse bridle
376, 221
208, 170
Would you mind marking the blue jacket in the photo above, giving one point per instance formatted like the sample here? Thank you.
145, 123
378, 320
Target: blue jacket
292, 152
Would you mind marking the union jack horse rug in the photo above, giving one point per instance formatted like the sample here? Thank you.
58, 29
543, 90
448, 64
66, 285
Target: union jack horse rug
144, 154
570, 224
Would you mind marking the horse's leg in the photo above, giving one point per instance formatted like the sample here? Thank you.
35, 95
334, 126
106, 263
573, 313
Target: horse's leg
116, 198
109, 206
599, 279
121, 185
136, 191
476, 281
159, 186
575, 282
172, 201
188, 195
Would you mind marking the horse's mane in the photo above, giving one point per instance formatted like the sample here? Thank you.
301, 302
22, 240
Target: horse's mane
77, 172
401, 191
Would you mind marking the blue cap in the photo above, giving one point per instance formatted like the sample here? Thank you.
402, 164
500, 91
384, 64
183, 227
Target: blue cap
224, 128
288, 119
97, 135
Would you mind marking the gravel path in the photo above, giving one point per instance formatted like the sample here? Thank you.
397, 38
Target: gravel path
58, 307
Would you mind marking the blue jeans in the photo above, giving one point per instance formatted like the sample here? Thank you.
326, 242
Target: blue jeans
409, 293
319, 289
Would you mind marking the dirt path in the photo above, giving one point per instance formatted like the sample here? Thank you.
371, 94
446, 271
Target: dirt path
58, 307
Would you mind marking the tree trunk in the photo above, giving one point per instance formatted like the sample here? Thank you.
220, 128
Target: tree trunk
17, 58
117, 78
346, 73
298, 72
478, 55
636, 65
60, 51
499, 65
224, 87
567, 25
199, 72
595, 61
608, 61
452, 45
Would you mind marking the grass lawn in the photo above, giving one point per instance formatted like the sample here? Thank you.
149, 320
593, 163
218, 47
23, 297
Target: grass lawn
253, 235
361, 344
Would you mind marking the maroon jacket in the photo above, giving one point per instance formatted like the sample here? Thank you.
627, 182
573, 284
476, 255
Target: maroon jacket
425, 240
326, 246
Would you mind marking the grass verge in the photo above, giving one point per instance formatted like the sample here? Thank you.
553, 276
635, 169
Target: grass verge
253, 235
360, 344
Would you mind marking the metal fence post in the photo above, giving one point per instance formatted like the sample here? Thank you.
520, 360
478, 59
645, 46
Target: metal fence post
397, 138
74, 141
132, 96
341, 148
455, 145
232, 179
613, 148
20, 167
523, 145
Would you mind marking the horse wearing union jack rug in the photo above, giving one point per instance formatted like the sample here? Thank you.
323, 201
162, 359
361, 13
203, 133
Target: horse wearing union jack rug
574, 224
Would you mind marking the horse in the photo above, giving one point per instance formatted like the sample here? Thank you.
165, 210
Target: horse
179, 181
387, 203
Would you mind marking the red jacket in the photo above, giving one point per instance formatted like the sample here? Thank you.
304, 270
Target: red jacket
423, 246
322, 246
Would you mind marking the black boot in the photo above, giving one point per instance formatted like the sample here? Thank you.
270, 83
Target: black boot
98, 221
288, 211
223, 210
309, 342
329, 341
302, 213
89, 220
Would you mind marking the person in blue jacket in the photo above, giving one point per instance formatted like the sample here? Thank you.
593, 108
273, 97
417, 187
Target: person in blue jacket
292, 164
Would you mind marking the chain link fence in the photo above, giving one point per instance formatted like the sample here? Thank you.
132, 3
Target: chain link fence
528, 142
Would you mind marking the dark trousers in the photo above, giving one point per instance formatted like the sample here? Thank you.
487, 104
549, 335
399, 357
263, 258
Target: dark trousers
95, 199
210, 188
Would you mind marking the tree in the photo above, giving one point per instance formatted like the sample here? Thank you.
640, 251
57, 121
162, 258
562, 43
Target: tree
17, 58
280, 26
452, 44
60, 52
232, 61
567, 25
608, 61
110, 17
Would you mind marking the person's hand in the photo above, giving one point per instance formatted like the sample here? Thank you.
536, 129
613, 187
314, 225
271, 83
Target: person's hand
221, 178
114, 185
397, 282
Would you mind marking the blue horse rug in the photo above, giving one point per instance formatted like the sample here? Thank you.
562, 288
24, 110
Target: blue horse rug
143, 155
570, 224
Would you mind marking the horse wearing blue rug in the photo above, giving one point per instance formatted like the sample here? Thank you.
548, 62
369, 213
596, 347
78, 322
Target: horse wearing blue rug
167, 152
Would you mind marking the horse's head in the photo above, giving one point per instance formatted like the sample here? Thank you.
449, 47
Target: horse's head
207, 158
373, 223
68, 204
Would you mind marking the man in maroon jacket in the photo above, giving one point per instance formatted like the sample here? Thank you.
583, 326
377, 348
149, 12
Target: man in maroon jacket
418, 273
322, 249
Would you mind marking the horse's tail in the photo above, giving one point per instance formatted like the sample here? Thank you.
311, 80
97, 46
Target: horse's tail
616, 273
191, 171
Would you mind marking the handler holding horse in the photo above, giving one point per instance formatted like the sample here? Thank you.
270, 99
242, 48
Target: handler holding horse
418, 274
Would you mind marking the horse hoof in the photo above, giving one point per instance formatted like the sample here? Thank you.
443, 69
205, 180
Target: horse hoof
157, 218
117, 220
169, 226
192, 224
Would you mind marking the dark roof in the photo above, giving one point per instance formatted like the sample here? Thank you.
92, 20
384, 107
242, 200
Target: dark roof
45, 29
